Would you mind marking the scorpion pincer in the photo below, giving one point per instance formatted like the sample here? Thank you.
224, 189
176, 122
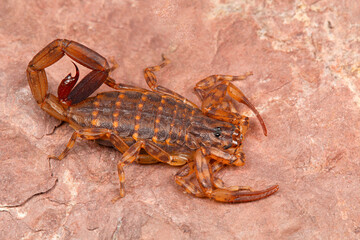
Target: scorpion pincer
150, 126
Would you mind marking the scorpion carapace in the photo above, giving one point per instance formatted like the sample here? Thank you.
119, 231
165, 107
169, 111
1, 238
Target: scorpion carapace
162, 124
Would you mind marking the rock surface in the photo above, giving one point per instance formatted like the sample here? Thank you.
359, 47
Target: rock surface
306, 84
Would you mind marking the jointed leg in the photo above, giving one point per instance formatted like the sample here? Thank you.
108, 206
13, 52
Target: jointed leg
93, 134
153, 150
120, 86
151, 81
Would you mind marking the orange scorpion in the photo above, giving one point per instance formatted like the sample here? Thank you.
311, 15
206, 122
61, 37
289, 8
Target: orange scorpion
151, 126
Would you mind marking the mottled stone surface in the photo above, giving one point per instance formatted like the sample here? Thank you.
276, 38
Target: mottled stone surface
306, 84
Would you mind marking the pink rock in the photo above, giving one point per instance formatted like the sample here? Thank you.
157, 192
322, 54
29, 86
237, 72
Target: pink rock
305, 58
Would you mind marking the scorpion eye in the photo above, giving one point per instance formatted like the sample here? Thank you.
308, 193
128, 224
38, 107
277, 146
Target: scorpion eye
217, 132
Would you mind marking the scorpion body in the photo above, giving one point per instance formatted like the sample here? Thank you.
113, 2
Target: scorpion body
170, 123
151, 126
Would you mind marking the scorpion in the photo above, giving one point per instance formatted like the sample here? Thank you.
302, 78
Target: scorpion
151, 126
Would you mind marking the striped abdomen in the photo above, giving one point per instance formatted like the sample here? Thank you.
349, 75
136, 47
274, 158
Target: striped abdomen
137, 115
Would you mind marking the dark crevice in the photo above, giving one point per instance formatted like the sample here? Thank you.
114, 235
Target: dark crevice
31, 197
54, 129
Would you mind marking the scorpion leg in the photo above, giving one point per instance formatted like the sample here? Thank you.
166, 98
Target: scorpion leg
153, 150
146, 159
120, 86
152, 82
151, 79
204, 175
93, 134
212, 91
